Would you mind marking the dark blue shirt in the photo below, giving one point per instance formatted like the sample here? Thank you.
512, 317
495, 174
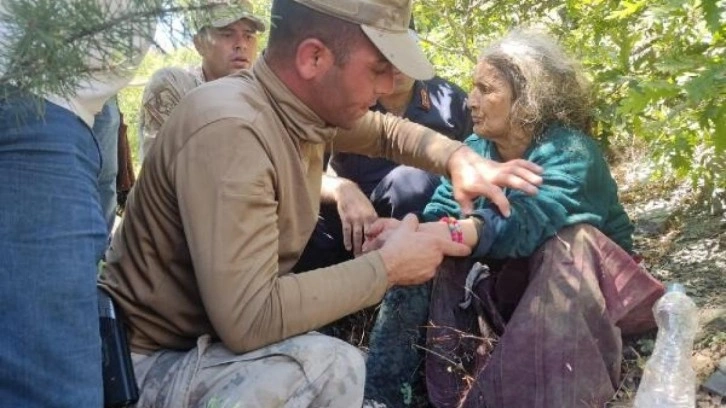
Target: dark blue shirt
437, 104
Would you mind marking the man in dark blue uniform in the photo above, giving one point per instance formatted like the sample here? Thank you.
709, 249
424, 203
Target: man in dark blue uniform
358, 189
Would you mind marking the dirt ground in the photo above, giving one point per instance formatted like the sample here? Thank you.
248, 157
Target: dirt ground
682, 241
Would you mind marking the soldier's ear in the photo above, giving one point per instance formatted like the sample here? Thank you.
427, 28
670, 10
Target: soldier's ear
313, 58
201, 42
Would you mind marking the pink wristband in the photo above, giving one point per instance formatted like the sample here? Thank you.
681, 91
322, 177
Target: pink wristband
457, 235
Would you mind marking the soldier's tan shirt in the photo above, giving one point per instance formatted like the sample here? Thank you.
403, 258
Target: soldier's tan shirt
225, 203
162, 94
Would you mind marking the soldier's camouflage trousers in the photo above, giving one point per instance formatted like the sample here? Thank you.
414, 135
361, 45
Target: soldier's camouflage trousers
310, 370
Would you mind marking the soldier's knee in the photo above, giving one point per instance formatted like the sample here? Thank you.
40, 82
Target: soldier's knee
334, 355
344, 375
350, 361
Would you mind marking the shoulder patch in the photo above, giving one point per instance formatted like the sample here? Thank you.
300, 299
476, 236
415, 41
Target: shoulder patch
425, 100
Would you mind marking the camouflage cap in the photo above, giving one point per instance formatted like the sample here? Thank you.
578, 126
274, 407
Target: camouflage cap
385, 22
221, 13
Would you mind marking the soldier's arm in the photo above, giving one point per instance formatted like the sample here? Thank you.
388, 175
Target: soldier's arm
397, 139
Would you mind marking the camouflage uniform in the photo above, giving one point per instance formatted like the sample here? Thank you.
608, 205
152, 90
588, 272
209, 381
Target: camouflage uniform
162, 94
307, 370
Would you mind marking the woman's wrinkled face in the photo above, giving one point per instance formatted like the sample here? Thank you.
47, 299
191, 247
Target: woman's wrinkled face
491, 102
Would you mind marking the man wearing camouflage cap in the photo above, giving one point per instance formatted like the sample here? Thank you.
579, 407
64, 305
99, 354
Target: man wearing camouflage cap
226, 39
229, 195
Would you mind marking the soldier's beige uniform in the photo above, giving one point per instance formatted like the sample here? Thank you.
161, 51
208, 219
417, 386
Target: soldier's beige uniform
305, 370
221, 213
225, 205
161, 95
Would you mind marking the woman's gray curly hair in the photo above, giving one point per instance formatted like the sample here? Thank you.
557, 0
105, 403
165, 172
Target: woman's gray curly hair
547, 85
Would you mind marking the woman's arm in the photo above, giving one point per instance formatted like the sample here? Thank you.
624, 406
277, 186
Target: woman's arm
577, 188
469, 228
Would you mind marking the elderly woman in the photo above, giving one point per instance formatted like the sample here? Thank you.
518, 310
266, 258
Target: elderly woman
555, 284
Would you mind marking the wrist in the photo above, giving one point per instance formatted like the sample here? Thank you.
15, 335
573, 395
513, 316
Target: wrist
455, 231
342, 186
454, 160
333, 188
464, 231
390, 263
471, 227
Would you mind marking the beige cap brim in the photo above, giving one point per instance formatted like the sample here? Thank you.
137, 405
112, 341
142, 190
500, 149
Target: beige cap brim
402, 50
256, 22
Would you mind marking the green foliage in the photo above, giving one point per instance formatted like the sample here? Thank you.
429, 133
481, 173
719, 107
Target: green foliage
658, 67
50, 47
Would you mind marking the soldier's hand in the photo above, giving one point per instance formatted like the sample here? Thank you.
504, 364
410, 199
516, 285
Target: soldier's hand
411, 256
356, 215
378, 232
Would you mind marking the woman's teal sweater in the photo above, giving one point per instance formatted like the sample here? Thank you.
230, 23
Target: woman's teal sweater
577, 188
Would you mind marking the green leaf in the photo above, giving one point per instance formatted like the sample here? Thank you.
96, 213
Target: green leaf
719, 130
712, 14
627, 9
